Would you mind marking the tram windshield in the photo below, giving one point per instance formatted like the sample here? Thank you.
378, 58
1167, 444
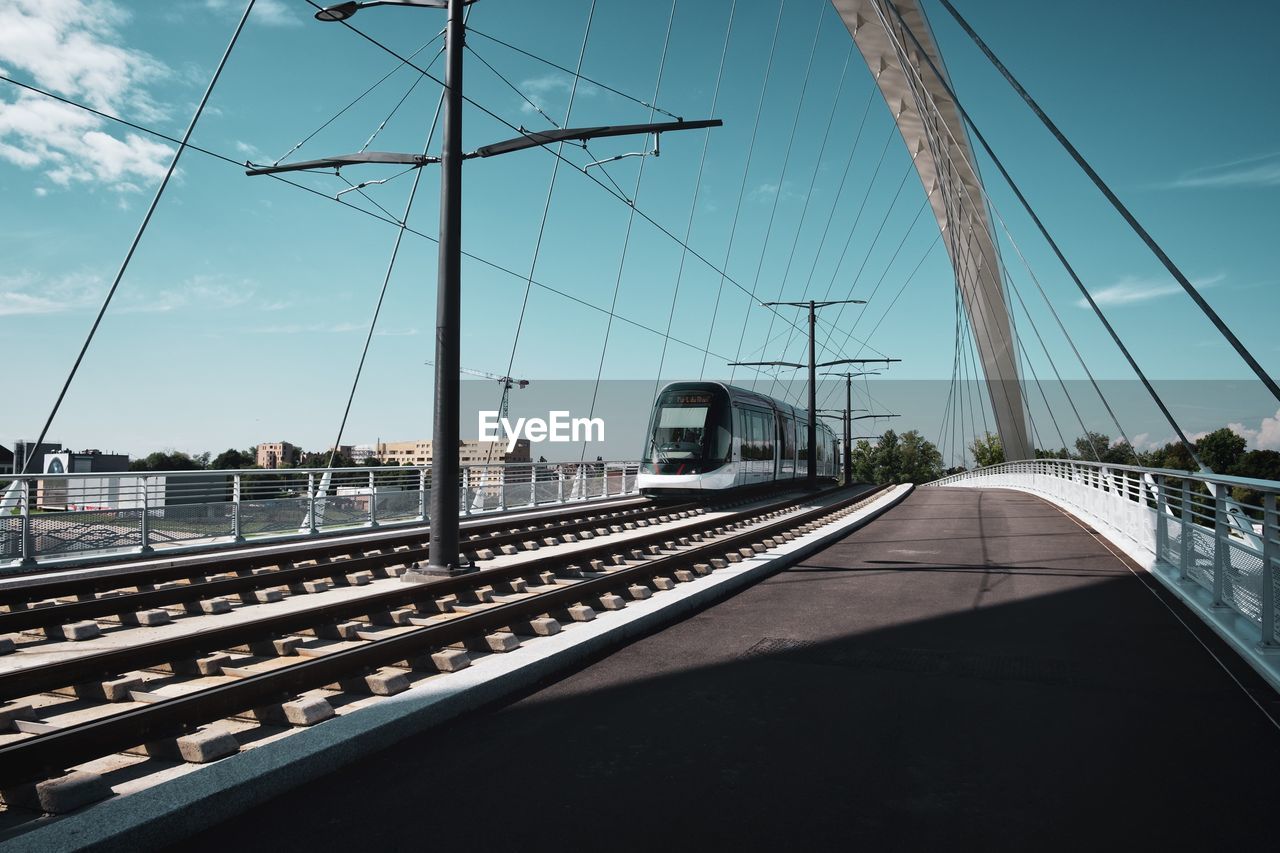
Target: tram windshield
689, 426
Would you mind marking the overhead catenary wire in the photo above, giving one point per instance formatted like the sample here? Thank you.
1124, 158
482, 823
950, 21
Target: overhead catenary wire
142, 228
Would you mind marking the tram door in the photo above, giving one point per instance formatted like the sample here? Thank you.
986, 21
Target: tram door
786, 431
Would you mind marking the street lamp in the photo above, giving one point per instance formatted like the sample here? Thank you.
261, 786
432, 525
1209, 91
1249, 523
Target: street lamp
443, 514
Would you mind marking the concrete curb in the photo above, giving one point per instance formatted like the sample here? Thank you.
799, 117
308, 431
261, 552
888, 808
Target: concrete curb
173, 810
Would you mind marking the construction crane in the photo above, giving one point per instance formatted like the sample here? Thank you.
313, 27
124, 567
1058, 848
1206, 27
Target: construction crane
507, 383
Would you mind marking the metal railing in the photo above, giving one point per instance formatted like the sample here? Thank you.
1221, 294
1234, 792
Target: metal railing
62, 517
1213, 539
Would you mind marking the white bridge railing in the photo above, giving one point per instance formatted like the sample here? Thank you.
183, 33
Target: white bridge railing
65, 517
1214, 540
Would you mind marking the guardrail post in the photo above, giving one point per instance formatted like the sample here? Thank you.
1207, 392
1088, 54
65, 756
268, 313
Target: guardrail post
373, 501
1162, 518
1221, 546
559, 484
422, 495
1270, 554
466, 490
311, 504
502, 487
236, 532
144, 523
1184, 539
533, 485
28, 542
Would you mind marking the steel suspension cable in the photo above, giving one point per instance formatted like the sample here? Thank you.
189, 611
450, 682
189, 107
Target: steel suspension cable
782, 180
631, 218
142, 228
697, 188
746, 169
1007, 279
1053, 245
1124, 211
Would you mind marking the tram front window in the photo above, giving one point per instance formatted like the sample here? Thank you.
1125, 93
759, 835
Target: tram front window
690, 434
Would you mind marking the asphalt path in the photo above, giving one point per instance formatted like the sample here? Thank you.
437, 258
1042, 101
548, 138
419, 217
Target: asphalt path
973, 670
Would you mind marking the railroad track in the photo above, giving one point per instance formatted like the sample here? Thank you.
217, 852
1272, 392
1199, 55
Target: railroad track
284, 669
139, 596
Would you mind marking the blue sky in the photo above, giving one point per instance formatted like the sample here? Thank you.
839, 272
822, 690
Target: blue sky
242, 315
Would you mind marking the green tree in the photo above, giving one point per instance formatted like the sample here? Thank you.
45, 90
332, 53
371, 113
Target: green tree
162, 461
987, 449
921, 461
887, 462
863, 459
1257, 465
1221, 450
232, 458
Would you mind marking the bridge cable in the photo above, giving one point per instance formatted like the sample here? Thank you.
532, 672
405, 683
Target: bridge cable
746, 169
551, 186
959, 252
631, 218
137, 238
782, 181
555, 153
1007, 279
1102, 186
826, 228
391, 262
697, 188
1182, 436
239, 164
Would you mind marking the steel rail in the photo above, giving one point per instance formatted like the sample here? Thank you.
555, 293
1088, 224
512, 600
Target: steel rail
108, 664
489, 536
46, 754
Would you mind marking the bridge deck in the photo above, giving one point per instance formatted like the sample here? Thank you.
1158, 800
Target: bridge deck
973, 669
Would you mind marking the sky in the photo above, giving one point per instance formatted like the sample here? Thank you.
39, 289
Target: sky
242, 315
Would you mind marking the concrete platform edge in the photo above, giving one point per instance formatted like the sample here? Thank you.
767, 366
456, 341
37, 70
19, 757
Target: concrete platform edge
173, 810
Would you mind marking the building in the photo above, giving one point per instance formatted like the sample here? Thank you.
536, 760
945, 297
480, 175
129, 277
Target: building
24, 450
470, 452
63, 493
6, 460
361, 452
278, 454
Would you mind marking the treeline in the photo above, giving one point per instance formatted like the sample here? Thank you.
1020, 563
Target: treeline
231, 459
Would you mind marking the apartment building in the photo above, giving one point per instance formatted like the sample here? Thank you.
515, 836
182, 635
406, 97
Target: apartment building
470, 452
278, 454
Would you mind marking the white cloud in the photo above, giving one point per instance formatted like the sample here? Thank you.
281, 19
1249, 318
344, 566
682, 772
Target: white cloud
273, 13
1131, 289
28, 293
1260, 171
552, 90
1268, 437
73, 47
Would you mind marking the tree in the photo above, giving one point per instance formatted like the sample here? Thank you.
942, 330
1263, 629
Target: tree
1097, 447
1221, 450
863, 460
162, 461
987, 449
320, 459
231, 458
887, 464
1257, 465
1060, 453
921, 461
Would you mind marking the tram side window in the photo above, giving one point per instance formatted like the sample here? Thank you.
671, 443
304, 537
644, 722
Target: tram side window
766, 427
